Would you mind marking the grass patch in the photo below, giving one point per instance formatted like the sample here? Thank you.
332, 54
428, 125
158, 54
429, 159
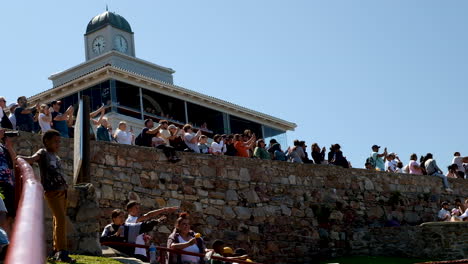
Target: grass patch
81, 259
373, 260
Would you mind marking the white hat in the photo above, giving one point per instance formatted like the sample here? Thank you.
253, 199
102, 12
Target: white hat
12, 105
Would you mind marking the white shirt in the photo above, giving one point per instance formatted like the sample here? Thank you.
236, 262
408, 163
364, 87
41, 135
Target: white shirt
390, 165
218, 147
193, 248
465, 214
139, 239
43, 124
459, 161
12, 118
443, 213
165, 134
1, 112
123, 137
192, 146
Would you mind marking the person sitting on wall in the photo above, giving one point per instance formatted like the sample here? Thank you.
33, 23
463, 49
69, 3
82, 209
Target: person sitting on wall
260, 152
184, 238
159, 142
432, 169
217, 146
337, 158
464, 216
318, 155
202, 145
230, 149
444, 213
191, 139
460, 205
176, 139
133, 209
147, 134
242, 146
275, 150
296, 153
119, 231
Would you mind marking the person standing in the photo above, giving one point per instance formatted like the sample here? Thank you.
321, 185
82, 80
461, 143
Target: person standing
55, 190
59, 120
4, 120
24, 115
45, 118
12, 116
123, 136
103, 131
7, 178
378, 160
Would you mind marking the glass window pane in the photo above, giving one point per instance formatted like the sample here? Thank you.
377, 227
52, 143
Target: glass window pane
203, 117
239, 125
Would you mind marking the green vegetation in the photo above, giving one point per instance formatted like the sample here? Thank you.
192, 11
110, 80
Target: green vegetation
80, 259
373, 260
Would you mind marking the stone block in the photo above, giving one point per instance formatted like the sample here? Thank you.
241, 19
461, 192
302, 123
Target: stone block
107, 192
173, 202
244, 175
231, 195
243, 212
228, 213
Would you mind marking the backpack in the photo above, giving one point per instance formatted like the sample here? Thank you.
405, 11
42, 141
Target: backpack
279, 155
139, 140
371, 160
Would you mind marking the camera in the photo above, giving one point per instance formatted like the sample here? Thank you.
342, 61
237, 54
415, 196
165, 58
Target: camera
12, 134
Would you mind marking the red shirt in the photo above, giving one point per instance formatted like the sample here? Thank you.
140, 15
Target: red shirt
242, 151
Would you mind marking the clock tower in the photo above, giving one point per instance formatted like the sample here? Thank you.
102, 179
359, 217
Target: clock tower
108, 32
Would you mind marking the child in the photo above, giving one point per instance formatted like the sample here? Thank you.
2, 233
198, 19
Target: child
55, 190
202, 144
119, 231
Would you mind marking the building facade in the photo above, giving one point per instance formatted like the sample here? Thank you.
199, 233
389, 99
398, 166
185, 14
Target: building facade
134, 89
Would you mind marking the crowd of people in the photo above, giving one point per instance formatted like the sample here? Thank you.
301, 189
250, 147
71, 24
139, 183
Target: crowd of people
456, 213
47, 120
138, 229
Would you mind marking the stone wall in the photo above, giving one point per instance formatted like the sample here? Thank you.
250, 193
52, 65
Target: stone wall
280, 212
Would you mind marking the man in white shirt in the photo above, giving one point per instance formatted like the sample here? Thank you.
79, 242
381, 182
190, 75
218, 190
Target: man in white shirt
444, 213
133, 209
457, 159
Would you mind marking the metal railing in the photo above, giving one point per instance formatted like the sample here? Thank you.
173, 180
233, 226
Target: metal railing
164, 250
28, 241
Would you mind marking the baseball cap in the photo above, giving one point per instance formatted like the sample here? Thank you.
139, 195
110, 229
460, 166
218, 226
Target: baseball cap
375, 146
171, 126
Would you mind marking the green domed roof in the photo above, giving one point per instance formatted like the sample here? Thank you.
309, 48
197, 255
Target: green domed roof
108, 18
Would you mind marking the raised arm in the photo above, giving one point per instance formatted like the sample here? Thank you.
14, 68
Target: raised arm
154, 213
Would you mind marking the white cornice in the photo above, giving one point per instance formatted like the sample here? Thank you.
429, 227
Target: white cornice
111, 72
107, 55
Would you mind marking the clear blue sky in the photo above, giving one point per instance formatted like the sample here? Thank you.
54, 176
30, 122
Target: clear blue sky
358, 73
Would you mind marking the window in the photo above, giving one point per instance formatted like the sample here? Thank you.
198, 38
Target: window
99, 95
239, 125
279, 135
128, 99
203, 117
159, 106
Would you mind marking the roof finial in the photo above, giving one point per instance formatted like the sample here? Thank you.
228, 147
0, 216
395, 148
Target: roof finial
107, 8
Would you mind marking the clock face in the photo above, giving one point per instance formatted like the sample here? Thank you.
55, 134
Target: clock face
99, 43
120, 43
